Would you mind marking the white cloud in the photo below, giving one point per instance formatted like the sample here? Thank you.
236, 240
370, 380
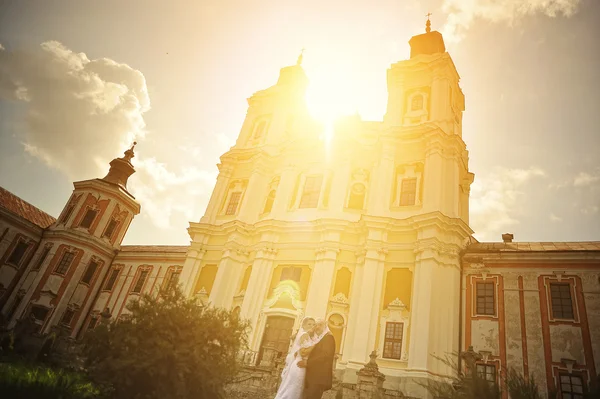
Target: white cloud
493, 200
584, 179
82, 113
554, 218
462, 13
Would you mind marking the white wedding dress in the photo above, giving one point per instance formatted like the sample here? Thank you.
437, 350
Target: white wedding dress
292, 377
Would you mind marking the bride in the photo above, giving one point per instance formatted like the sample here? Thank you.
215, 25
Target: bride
292, 377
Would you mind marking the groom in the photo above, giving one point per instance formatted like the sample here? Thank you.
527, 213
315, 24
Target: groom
319, 365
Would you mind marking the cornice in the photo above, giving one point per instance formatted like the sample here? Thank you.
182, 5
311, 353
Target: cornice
89, 241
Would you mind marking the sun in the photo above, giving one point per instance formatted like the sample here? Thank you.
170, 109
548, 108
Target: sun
330, 94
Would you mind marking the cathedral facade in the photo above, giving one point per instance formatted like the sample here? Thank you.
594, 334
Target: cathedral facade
364, 224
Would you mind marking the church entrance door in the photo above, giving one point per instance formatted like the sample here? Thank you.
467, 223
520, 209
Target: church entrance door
276, 339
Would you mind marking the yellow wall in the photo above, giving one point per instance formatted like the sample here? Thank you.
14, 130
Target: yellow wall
246, 278
398, 284
206, 278
342, 282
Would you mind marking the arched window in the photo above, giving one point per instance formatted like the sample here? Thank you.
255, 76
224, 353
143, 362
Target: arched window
357, 196
259, 130
416, 103
269, 203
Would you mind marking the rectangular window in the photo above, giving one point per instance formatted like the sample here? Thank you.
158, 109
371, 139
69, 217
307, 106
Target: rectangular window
65, 263
392, 345
291, 273
42, 258
311, 192
39, 312
89, 272
88, 219
139, 284
562, 303
17, 254
571, 386
234, 201
68, 213
487, 372
110, 229
485, 299
173, 280
408, 192
112, 279
67, 317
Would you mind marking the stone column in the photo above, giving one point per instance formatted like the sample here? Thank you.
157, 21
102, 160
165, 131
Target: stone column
228, 277
365, 320
321, 281
218, 194
258, 285
191, 269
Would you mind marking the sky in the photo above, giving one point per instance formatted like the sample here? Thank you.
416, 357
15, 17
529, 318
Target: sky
80, 80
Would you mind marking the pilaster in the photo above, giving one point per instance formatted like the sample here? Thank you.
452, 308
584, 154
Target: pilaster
228, 275
364, 322
382, 181
191, 268
321, 281
258, 284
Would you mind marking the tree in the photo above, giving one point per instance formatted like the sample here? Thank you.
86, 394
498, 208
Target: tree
520, 387
169, 347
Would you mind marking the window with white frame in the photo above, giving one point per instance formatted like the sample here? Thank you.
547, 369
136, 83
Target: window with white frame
571, 386
90, 271
112, 279
17, 254
88, 218
65, 263
407, 191
234, 197
487, 372
561, 300
392, 344
141, 280
311, 191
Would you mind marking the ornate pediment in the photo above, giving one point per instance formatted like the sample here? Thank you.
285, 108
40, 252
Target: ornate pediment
339, 298
285, 289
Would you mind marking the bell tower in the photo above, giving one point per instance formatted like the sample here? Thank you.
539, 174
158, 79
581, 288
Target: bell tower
76, 251
424, 88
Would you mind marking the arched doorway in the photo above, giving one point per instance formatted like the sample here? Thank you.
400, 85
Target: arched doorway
276, 339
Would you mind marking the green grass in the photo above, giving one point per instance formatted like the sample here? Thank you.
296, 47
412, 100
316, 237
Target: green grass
33, 381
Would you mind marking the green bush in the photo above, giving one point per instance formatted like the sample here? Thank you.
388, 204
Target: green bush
168, 348
25, 381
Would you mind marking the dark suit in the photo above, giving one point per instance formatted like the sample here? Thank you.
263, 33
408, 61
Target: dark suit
319, 368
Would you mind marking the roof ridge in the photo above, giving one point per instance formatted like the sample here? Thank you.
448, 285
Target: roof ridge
23, 209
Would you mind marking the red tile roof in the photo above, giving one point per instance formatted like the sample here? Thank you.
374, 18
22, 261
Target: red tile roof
24, 209
154, 248
534, 246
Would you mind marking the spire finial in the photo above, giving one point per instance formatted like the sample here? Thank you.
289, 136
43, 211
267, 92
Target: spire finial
129, 153
299, 61
428, 23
